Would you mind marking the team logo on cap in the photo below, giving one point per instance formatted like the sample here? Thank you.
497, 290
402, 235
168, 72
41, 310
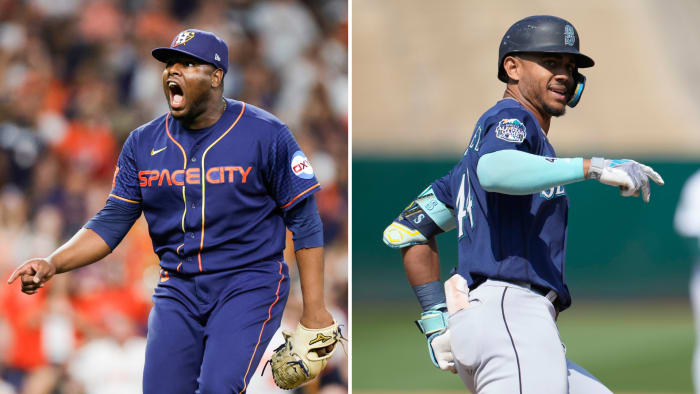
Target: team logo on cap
569, 36
182, 38
301, 166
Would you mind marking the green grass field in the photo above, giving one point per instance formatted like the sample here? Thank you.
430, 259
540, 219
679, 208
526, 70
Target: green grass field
631, 347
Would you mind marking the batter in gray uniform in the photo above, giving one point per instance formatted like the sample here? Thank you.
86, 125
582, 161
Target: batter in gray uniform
687, 223
495, 323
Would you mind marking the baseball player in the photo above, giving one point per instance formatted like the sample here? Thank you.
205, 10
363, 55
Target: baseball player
687, 223
217, 180
495, 323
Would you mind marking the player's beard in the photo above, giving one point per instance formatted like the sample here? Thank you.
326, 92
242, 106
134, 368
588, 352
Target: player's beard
550, 110
556, 112
196, 106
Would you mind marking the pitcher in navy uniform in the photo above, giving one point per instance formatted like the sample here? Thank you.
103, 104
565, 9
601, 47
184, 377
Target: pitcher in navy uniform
495, 322
218, 181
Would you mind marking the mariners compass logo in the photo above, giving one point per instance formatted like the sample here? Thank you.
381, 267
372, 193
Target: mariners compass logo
569, 36
182, 38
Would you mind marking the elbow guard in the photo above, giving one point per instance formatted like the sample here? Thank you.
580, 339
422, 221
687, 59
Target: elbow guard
421, 220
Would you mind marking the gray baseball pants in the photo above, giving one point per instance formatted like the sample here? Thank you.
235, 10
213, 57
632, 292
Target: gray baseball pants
507, 342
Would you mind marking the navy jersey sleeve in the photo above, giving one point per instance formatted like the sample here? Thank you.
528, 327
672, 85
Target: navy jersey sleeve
510, 129
125, 184
114, 221
441, 188
291, 176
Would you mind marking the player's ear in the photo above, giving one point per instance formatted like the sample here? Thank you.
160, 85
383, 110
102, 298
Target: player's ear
513, 67
217, 77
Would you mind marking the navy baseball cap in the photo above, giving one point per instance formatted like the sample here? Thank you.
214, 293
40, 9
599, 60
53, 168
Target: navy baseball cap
199, 44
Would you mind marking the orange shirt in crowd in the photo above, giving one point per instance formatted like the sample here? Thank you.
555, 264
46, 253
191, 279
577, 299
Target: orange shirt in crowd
23, 313
90, 146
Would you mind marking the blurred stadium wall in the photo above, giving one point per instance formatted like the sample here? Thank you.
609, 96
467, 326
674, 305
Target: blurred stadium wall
76, 76
423, 72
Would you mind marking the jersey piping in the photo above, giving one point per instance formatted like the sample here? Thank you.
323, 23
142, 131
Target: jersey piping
299, 195
184, 168
201, 241
123, 199
269, 316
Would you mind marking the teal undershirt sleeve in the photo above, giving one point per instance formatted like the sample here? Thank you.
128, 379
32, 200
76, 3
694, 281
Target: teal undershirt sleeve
520, 173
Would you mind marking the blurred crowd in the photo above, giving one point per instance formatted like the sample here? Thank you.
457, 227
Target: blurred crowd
77, 76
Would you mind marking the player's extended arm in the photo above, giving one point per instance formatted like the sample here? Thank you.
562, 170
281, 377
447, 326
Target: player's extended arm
96, 240
521, 173
84, 248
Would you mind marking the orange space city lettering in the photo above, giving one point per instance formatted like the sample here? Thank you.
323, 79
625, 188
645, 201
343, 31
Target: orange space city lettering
193, 176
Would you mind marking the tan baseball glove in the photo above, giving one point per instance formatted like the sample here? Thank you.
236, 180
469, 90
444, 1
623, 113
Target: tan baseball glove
296, 362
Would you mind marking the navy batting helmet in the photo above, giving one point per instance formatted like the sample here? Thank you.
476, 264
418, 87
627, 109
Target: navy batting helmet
544, 34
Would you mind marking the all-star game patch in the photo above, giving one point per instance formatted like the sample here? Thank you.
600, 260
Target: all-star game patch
511, 130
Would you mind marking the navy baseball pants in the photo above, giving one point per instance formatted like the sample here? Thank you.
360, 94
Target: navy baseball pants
207, 332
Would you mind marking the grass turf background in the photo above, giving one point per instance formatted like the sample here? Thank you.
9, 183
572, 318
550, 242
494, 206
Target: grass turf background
632, 347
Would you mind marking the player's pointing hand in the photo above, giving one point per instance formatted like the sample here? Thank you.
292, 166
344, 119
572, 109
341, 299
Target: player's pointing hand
630, 176
33, 274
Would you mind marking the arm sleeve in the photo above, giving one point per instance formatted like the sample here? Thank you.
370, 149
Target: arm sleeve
305, 224
519, 173
114, 221
290, 176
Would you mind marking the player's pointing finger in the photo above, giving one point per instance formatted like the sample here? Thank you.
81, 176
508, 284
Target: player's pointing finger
23, 269
652, 174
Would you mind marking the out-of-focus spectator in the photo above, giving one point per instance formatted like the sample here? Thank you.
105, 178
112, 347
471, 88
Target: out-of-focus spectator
77, 77
112, 364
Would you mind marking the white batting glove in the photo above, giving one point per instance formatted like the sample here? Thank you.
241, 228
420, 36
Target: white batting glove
443, 352
630, 176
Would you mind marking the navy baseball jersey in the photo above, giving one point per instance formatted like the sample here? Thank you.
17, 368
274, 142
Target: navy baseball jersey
500, 236
213, 198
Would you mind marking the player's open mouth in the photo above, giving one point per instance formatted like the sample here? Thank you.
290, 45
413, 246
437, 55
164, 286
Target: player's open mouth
560, 92
176, 96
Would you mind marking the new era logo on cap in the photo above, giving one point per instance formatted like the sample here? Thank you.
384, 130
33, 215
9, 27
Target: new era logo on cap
216, 57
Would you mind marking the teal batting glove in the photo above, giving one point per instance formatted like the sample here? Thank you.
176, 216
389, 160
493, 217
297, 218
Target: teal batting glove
433, 323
